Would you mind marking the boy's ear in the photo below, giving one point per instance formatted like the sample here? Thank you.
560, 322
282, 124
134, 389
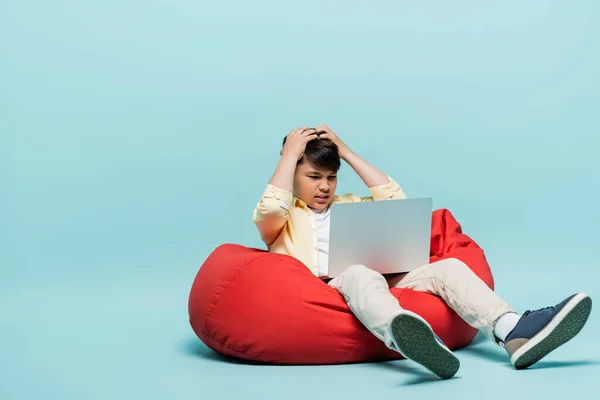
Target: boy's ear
281, 152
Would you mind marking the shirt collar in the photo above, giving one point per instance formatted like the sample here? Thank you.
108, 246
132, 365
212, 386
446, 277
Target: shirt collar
300, 203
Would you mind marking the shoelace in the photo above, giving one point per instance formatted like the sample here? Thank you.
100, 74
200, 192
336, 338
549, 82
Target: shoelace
528, 312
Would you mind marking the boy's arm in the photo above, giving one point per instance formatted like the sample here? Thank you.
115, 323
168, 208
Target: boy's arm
271, 212
381, 186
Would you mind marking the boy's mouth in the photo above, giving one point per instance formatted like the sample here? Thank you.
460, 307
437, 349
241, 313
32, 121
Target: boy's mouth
322, 198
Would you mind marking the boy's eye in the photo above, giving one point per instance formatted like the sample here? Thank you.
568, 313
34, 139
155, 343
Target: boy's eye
333, 177
314, 177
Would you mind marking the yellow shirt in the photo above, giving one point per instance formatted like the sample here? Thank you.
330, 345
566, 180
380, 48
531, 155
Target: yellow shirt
286, 224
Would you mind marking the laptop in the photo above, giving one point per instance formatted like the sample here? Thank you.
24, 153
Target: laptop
388, 236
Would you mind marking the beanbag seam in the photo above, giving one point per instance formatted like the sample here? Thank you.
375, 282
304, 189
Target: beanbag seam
208, 338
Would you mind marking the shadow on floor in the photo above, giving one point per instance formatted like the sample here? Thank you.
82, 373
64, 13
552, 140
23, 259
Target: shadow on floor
482, 347
563, 364
488, 352
194, 347
417, 375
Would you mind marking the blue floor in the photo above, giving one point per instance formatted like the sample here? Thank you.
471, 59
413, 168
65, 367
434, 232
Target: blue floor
136, 137
124, 336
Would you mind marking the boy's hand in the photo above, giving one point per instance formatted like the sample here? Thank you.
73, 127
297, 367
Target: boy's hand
326, 133
295, 142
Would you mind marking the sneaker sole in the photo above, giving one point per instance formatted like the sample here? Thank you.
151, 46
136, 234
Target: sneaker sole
416, 341
563, 327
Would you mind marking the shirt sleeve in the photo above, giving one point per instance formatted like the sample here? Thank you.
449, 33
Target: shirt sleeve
271, 213
389, 191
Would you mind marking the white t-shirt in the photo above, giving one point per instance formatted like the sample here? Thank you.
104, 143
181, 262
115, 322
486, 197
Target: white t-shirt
321, 239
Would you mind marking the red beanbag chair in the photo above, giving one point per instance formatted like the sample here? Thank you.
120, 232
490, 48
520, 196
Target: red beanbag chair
255, 305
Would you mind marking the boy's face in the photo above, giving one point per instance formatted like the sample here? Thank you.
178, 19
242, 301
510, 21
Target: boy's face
313, 185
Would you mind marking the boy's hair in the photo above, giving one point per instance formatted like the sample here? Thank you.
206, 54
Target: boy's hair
321, 152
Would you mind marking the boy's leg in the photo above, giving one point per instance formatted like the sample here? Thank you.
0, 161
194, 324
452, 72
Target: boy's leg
527, 338
368, 296
461, 289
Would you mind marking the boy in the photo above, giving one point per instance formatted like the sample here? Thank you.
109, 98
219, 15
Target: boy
292, 218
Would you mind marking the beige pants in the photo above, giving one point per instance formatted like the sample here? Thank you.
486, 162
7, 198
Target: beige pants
368, 296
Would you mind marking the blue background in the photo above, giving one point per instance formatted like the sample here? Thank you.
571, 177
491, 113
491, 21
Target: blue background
137, 136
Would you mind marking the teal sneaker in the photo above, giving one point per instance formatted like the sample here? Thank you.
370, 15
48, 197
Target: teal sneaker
413, 337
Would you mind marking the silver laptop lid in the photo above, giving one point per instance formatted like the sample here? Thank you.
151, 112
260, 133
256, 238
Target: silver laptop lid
386, 236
